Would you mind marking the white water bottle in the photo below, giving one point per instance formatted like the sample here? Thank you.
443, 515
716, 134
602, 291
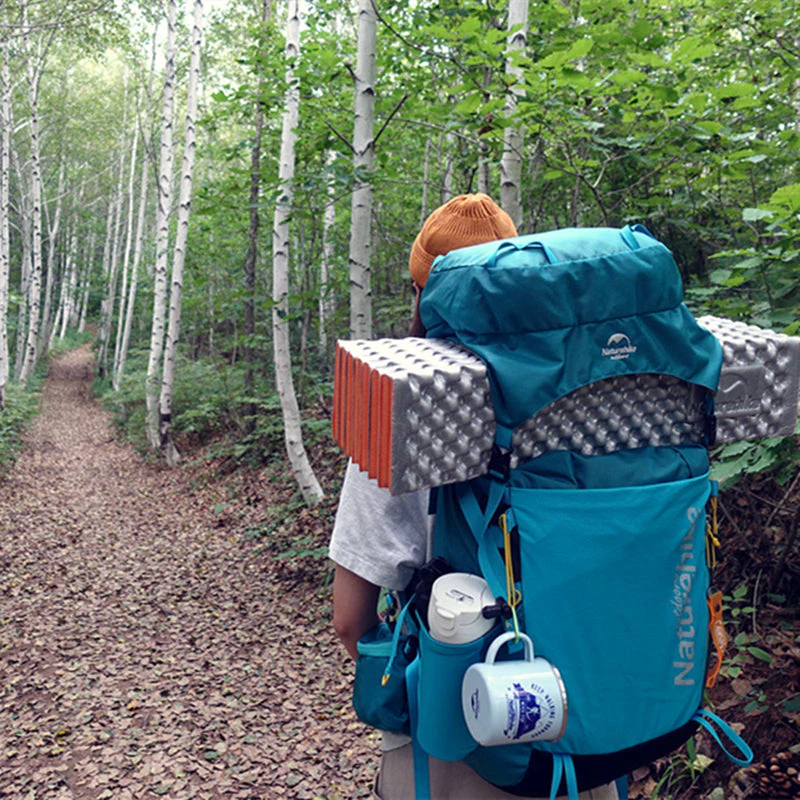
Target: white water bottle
455, 609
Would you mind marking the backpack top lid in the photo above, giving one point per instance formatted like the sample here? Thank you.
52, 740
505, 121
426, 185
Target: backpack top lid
555, 311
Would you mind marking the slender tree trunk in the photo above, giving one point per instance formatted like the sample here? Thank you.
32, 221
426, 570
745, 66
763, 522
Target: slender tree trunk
71, 315
52, 235
298, 458
363, 164
168, 448
26, 239
5, 174
326, 297
511, 162
251, 408
140, 224
35, 284
126, 258
447, 192
426, 176
107, 316
85, 284
162, 232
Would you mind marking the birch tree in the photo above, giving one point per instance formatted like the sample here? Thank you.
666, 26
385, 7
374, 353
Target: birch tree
119, 367
363, 164
168, 448
326, 299
126, 257
162, 232
35, 279
52, 236
5, 171
511, 162
252, 236
298, 458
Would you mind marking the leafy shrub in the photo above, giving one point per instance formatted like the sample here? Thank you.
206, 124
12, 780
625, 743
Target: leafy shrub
20, 407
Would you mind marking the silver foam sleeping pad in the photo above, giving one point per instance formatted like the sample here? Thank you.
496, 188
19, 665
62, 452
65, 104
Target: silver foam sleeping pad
443, 426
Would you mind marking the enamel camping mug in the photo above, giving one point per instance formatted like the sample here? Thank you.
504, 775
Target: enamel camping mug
507, 702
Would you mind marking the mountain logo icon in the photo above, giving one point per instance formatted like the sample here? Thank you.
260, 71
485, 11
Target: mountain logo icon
618, 347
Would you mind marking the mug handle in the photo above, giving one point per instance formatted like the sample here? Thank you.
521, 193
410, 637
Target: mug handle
497, 643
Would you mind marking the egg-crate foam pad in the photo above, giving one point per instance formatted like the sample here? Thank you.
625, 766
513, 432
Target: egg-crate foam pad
417, 413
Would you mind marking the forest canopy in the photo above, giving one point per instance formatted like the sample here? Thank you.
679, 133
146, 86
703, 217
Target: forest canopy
684, 117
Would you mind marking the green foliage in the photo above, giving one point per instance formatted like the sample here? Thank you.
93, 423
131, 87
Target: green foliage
71, 340
779, 455
21, 404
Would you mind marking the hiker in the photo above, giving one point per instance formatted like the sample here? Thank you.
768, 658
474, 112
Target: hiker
379, 540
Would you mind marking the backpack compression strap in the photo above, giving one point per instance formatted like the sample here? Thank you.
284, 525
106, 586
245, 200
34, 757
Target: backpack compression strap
708, 720
562, 764
422, 778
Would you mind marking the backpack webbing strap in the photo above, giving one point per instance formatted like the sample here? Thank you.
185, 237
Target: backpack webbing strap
562, 764
489, 559
422, 778
708, 720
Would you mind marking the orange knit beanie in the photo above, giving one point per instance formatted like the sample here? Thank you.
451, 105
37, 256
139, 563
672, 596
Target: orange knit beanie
464, 220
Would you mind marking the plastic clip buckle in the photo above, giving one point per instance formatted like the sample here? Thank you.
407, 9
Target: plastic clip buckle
500, 463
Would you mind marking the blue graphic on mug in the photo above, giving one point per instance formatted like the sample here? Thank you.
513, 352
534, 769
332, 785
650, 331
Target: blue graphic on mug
529, 712
475, 702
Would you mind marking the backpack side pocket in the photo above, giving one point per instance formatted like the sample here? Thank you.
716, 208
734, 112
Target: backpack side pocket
442, 731
379, 690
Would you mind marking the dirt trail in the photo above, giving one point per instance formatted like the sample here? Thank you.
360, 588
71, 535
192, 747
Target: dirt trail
144, 652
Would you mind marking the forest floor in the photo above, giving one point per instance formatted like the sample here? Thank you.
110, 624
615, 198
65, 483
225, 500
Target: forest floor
148, 649
167, 633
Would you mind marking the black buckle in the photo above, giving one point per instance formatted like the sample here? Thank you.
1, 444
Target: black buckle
500, 463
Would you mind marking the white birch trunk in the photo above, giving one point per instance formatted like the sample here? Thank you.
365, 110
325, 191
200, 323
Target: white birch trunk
26, 239
107, 308
126, 258
162, 231
298, 458
363, 163
484, 174
111, 287
447, 169
426, 176
511, 162
35, 283
139, 240
326, 298
52, 234
72, 287
179, 258
5, 174
86, 283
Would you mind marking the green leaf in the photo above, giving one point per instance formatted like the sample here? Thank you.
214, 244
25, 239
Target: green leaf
756, 214
693, 48
470, 104
790, 706
757, 652
626, 77
733, 90
787, 197
578, 50
720, 275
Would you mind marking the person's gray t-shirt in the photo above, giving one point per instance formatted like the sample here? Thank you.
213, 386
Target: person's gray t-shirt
380, 538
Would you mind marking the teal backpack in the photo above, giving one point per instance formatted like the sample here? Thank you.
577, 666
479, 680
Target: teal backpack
607, 553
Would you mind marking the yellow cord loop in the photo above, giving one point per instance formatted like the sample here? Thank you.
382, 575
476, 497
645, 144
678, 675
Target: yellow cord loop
712, 535
514, 596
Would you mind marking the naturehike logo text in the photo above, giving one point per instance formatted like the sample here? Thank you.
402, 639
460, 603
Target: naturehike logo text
686, 631
618, 347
